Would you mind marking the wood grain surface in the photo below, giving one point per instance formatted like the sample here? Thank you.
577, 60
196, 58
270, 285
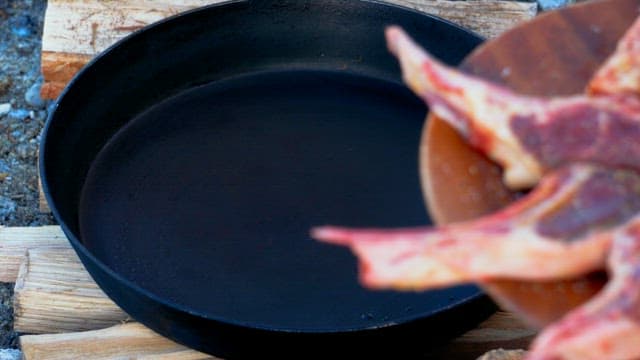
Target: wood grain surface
54, 294
125, 341
554, 54
16, 241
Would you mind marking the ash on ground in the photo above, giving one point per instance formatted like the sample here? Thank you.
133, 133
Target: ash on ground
22, 116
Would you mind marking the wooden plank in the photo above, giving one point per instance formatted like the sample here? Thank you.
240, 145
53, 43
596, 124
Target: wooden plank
126, 341
54, 293
15, 241
75, 30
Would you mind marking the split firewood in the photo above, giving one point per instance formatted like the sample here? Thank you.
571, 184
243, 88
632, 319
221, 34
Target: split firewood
125, 341
15, 241
54, 293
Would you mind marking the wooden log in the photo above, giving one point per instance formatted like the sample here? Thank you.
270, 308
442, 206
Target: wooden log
54, 293
126, 341
15, 241
76, 30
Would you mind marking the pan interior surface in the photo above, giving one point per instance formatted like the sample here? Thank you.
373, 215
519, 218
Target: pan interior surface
206, 199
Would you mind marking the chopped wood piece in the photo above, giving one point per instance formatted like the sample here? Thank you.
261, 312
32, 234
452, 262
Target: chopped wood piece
76, 30
126, 341
15, 241
54, 293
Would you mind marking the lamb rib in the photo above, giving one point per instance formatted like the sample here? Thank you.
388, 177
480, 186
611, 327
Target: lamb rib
561, 229
620, 74
527, 136
583, 215
608, 326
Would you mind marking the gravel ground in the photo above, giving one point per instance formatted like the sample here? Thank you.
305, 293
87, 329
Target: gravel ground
22, 115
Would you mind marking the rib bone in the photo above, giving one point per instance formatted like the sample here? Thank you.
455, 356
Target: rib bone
528, 136
620, 74
608, 326
561, 229
582, 152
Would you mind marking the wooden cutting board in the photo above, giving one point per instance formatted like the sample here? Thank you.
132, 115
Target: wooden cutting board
554, 54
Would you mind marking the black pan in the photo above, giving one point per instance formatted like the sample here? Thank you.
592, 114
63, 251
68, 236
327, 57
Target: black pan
187, 164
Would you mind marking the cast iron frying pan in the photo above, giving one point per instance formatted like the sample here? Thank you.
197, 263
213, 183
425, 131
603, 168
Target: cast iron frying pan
187, 164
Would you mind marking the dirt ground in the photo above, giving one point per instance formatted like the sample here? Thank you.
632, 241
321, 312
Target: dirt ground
22, 115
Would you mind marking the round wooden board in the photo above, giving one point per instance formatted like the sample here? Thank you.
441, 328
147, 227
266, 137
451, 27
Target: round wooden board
554, 54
